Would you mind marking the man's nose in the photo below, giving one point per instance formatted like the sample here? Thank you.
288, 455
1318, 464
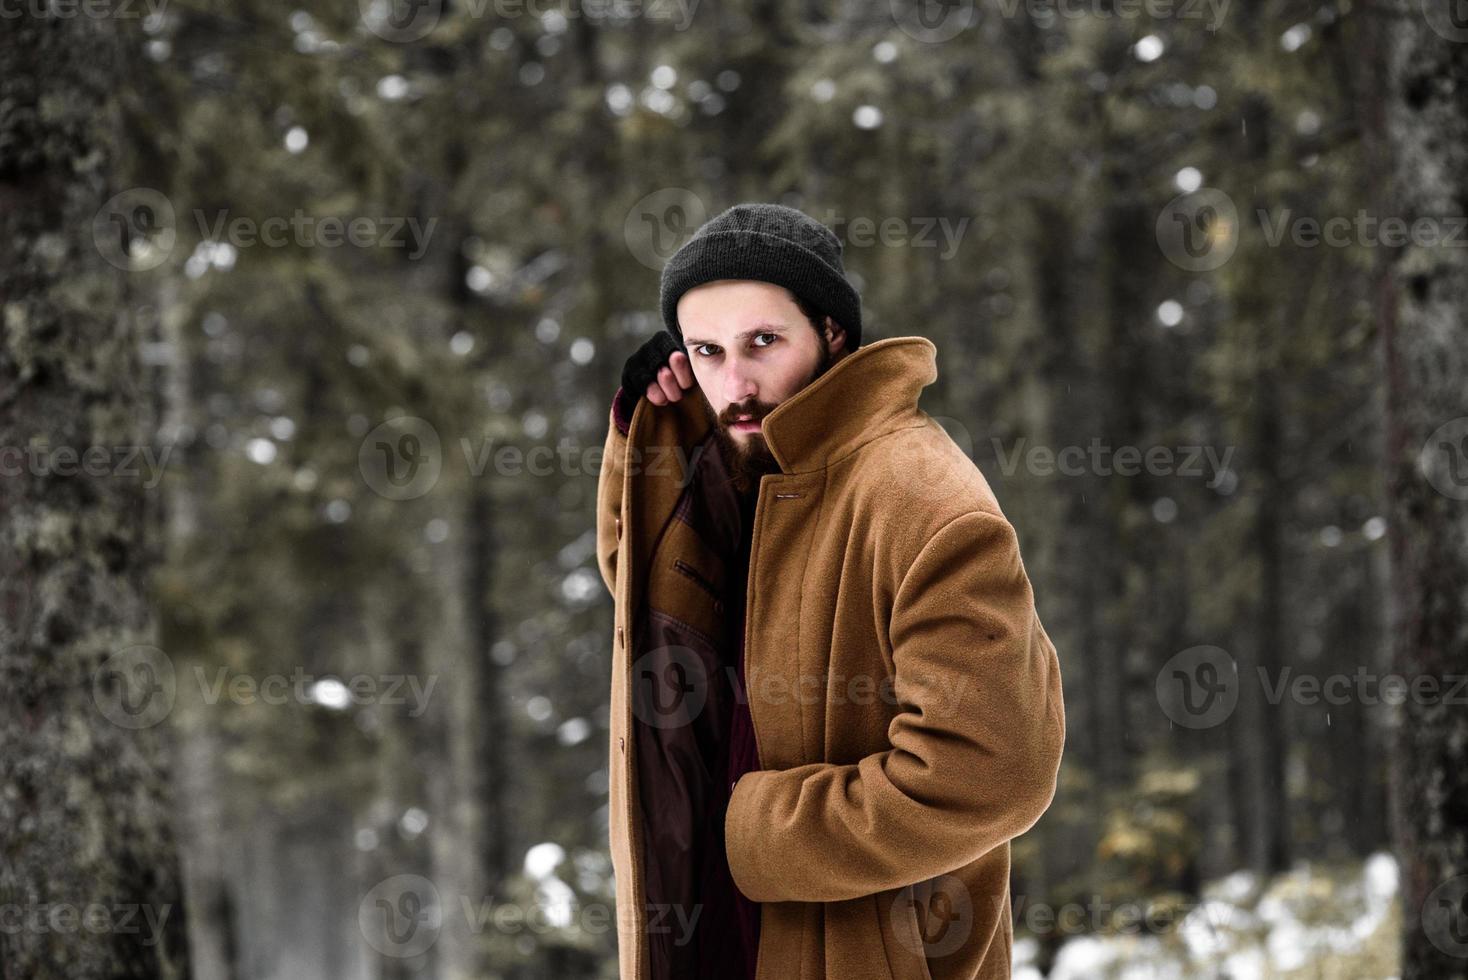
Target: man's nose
739, 386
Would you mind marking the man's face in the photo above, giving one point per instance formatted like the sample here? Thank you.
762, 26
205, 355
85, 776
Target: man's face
751, 348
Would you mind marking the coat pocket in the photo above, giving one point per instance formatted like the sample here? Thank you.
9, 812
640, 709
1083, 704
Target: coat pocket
686, 581
702, 581
902, 935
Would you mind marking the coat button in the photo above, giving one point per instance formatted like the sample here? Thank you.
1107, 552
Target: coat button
622, 743
619, 528
621, 641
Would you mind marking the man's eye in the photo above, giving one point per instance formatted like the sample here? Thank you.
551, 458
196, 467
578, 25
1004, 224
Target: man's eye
700, 350
773, 337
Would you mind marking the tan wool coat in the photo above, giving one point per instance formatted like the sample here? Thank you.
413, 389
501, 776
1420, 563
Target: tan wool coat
905, 698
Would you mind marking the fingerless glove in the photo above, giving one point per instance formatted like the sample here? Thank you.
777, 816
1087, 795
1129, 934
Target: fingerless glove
641, 370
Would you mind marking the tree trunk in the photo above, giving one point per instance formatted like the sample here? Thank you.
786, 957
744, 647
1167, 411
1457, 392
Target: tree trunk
1126, 231
1425, 346
1260, 747
86, 851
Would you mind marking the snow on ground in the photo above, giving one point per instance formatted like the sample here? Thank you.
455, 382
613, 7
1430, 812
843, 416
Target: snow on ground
1315, 921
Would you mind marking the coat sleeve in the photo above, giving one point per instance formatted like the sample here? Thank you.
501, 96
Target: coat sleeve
975, 745
609, 485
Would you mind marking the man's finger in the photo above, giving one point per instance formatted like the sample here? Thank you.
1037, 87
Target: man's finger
655, 394
682, 370
669, 384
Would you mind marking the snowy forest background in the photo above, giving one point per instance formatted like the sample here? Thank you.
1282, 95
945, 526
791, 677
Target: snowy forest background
1196, 276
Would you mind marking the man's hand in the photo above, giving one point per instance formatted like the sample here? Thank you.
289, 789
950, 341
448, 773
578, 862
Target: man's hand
673, 379
659, 371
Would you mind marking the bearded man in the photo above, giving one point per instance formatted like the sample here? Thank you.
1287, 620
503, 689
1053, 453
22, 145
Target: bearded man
833, 703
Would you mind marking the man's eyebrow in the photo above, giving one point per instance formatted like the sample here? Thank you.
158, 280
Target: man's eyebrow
743, 334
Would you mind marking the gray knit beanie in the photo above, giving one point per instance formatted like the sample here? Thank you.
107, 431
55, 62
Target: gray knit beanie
771, 243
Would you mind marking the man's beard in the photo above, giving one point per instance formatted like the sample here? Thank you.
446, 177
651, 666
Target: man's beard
750, 460
747, 462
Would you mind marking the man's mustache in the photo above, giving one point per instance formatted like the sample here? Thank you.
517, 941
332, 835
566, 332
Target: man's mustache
731, 416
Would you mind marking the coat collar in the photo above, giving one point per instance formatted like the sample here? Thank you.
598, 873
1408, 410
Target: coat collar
865, 395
